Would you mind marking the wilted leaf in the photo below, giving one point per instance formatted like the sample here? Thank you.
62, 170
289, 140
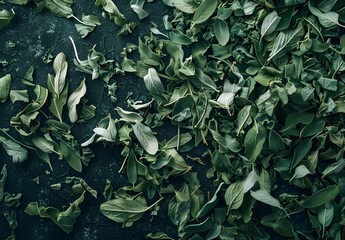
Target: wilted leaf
74, 100
65, 219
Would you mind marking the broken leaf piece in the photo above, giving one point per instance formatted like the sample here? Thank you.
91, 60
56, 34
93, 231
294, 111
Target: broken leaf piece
64, 219
5, 84
5, 18
87, 25
113, 12
60, 8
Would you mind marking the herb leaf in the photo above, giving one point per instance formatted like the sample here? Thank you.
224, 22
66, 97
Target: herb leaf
146, 138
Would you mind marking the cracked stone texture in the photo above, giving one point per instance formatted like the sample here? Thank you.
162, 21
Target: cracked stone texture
34, 34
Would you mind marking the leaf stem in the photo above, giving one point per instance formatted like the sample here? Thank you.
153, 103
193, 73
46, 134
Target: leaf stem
75, 50
178, 137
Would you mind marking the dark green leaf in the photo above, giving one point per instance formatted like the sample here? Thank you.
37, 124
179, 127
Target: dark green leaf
321, 197
5, 18
204, 11
285, 42
234, 196
147, 55
300, 152
328, 83
270, 23
210, 204
179, 37
264, 196
328, 19
71, 155
275, 141
221, 31
254, 141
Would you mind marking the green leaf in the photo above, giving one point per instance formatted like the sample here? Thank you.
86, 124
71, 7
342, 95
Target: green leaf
87, 25
221, 31
132, 172
15, 150
300, 172
125, 211
275, 141
204, 11
146, 138
74, 100
158, 235
254, 141
43, 144
153, 83
179, 37
210, 204
5, 18
60, 8
263, 196
285, 42
199, 227
234, 196
242, 118
65, 219
334, 168
18, 2
138, 8
293, 2
214, 232
328, 83
60, 67
5, 86
180, 206
249, 7
113, 12
328, 19
300, 152
3, 178
250, 181
19, 96
129, 116
321, 197
147, 55
71, 155
325, 214
203, 81
270, 23
187, 6
58, 101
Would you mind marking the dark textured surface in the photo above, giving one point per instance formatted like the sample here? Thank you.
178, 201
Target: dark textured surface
34, 34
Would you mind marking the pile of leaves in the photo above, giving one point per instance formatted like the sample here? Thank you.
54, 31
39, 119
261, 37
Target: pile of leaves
258, 86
